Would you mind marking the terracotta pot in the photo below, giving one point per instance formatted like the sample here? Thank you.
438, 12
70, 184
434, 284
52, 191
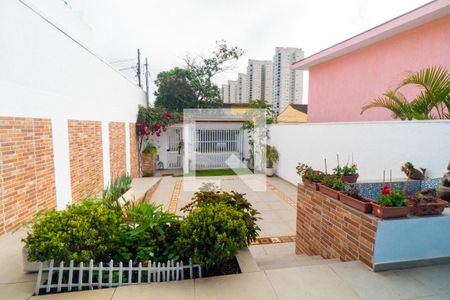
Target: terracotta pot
148, 167
349, 178
328, 191
388, 212
311, 185
428, 209
363, 205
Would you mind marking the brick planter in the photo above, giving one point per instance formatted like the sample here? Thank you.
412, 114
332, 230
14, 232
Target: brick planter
331, 229
148, 165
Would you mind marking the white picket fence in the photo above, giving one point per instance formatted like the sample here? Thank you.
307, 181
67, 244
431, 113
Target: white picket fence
153, 272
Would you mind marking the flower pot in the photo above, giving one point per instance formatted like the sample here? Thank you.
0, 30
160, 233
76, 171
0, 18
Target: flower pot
328, 191
388, 212
311, 185
148, 167
428, 209
364, 205
269, 172
349, 178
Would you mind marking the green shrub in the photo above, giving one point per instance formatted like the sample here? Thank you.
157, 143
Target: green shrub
346, 170
150, 234
210, 195
308, 173
84, 231
115, 190
397, 197
333, 182
150, 149
212, 234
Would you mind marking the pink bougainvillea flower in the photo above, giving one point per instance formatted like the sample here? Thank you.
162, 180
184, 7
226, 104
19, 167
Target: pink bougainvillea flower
147, 131
318, 171
157, 127
168, 115
158, 134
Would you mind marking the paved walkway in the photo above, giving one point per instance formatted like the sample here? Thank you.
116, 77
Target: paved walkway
273, 278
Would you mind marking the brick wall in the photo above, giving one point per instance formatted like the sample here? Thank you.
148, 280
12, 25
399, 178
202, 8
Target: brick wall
134, 152
86, 158
117, 151
27, 180
332, 229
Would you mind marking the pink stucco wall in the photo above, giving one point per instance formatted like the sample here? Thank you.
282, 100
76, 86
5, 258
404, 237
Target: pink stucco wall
339, 87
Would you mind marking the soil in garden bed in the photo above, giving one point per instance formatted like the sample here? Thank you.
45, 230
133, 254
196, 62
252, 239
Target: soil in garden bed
228, 268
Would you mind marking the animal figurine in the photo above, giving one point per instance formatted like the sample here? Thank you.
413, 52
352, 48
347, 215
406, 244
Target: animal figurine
413, 173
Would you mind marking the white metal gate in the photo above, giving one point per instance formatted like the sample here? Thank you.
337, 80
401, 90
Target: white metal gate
213, 148
175, 149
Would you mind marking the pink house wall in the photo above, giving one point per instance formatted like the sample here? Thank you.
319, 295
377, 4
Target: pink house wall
338, 88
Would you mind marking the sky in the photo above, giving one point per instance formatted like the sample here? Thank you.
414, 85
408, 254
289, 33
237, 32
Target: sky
167, 30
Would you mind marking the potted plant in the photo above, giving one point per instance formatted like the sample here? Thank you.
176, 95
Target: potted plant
348, 174
391, 204
148, 158
331, 186
426, 202
354, 199
310, 177
412, 173
271, 158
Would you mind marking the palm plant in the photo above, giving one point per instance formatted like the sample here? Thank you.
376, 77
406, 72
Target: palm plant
433, 99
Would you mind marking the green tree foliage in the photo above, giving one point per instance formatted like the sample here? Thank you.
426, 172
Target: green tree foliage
175, 91
433, 101
192, 86
212, 234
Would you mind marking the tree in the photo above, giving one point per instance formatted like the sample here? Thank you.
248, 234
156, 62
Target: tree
433, 101
174, 90
203, 69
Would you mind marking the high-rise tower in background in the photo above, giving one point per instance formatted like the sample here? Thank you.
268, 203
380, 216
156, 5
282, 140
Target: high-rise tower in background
242, 88
259, 74
232, 91
287, 85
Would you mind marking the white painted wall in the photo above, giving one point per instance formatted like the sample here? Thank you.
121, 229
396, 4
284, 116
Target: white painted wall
376, 146
48, 71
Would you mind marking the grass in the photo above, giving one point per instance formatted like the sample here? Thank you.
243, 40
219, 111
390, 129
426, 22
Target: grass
218, 172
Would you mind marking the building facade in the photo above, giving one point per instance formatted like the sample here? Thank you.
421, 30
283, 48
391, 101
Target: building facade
259, 74
232, 91
242, 88
287, 84
224, 93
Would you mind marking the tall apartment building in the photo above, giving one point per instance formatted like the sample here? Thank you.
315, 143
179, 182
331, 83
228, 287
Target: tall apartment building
287, 85
259, 74
232, 91
242, 88
224, 93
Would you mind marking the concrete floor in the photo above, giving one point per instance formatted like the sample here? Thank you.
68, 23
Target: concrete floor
312, 278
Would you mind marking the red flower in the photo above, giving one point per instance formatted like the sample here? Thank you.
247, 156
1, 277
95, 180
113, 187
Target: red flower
157, 127
318, 171
147, 131
168, 115
158, 134
386, 190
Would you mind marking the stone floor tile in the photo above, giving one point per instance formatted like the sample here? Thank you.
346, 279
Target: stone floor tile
309, 283
16, 291
236, 287
103, 294
174, 290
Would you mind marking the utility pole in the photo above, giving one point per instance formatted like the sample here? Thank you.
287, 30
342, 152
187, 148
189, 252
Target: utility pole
147, 74
139, 67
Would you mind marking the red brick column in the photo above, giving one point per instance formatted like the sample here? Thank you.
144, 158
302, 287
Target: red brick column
134, 152
117, 150
27, 177
329, 228
86, 158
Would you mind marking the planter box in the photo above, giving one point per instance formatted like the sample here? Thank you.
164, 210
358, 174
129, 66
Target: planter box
349, 178
428, 209
363, 205
148, 167
311, 185
388, 212
328, 191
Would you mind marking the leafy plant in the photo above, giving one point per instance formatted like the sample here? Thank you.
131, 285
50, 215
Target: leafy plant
271, 156
333, 182
150, 149
84, 231
235, 200
413, 173
395, 197
114, 191
353, 192
346, 170
308, 173
149, 234
212, 234
433, 102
